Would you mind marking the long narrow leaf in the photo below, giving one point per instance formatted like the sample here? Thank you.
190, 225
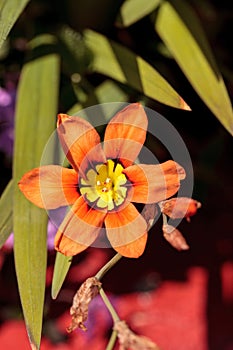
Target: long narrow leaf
201, 73
61, 267
9, 13
119, 63
35, 121
6, 211
132, 11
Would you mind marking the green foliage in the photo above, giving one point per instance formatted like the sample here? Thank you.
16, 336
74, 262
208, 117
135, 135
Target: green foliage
61, 267
133, 10
206, 81
36, 108
9, 13
6, 224
121, 64
186, 41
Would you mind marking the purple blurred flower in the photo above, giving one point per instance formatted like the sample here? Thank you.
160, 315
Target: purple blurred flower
99, 318
56, 216
7, 112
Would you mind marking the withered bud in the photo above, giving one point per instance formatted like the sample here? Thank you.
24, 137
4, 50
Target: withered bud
149, 213
178, 208
181, 172
175, 237
129, 340
79, 309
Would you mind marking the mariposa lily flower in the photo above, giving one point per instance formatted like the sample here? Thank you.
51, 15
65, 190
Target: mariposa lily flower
104, 183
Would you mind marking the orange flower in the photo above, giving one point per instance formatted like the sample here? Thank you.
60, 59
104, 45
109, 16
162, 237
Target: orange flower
103, 183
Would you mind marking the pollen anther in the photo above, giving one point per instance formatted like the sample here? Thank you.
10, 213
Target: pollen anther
107, 181
105, 189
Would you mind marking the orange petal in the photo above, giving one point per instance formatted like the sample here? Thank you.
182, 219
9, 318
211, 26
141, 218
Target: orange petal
50, 186
126, 231
79, 229
78, 138
67, 246
125, 134
133, 249
154, 183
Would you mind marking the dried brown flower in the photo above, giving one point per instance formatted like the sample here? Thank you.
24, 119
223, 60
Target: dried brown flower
129, 340
79, 309
180, 207
149, 213
175, 237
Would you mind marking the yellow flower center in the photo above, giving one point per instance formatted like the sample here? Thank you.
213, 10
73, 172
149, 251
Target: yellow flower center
105, 186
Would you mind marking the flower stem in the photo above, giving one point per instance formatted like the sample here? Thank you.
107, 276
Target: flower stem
109, 306
112, 340
100, 274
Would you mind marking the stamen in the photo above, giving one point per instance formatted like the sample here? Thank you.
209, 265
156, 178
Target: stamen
105, 185
107, 181
105, 189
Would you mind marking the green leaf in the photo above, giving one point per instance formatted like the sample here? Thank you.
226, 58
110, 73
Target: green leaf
102, 95
133, 10
35, 120
119, 63
108, 91
61, 267
201, 72
9, 13
6, 211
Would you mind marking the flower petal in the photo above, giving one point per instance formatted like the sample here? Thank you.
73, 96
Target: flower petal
133, 249
67, 246
154, 183
78, 138
126, 231
125, 134
50, 186
79, 229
